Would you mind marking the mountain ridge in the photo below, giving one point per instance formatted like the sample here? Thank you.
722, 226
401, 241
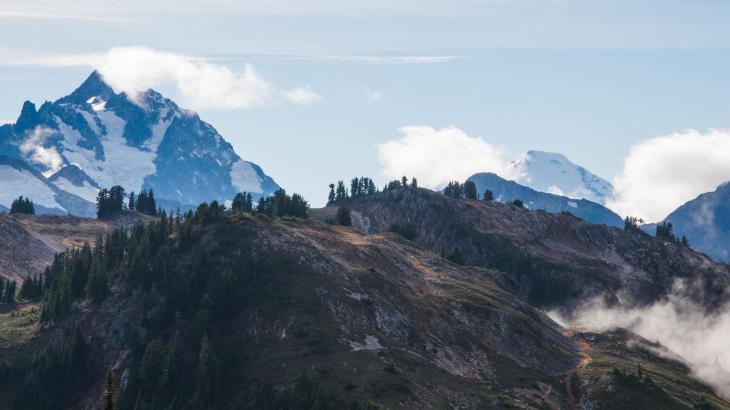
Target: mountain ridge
145, 141
505, 191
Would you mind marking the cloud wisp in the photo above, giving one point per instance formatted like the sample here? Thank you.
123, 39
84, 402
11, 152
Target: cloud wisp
33, 147
302, 96
679, 324
202, 84
662, 173
437, 156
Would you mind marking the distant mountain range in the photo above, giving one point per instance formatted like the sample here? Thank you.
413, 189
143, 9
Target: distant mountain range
705, 220
506, 191
61, 154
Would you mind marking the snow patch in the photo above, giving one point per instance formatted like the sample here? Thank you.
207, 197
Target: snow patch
122, 165
556, 174
158, 132
244, 177
16, 182
572, 204
97, 104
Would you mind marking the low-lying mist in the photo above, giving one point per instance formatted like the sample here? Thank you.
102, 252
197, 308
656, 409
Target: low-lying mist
701, 340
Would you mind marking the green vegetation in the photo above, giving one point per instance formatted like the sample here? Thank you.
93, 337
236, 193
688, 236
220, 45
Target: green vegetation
145, 203
632, 223
454, 189
7, 291
22, 206
242, 202
467, 190
281, 204
109, 201
343, 216
488, 196
32, 287
363, 186
517, 203
53, 376
182, 360
664, 230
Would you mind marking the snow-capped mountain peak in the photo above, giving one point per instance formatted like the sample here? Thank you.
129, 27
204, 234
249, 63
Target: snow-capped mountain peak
556, 174
95, 138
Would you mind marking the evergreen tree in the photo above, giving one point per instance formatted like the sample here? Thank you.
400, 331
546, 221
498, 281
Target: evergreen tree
454, 190
146, 203
97, 287
343, 216
632, 223
31, 288
331, 196
371, 187
239, 202
470, 190
355, 187
131, 204
22, 206
9, 296
517, 203
414, 183
341, 191
685, 241
664, 230
152, 205
488, 195
109, 201
404, 182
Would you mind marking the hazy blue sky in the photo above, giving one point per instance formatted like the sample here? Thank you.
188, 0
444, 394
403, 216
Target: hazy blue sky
588, 79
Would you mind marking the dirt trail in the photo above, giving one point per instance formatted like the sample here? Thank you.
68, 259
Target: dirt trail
585, 360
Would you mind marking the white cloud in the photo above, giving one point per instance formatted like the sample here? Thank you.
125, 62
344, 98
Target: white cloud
662, 173
34, 149
302, 96
698, 338
201, 84
437, 156
3, 122
374, 96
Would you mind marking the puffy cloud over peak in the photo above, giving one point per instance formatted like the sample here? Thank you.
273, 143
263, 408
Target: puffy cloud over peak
438, 155
662, 173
